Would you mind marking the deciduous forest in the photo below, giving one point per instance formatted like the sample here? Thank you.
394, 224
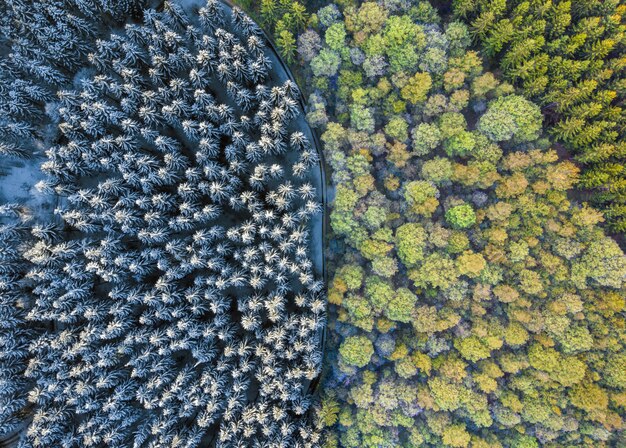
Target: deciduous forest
294, 223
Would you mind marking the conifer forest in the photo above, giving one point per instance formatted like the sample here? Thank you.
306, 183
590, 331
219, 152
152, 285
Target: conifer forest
312, 223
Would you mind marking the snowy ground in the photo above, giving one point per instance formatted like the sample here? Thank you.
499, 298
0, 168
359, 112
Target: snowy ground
17, 185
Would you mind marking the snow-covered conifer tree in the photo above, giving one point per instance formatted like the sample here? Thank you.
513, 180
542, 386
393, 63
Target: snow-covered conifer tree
14, 301
182, 306
47, 42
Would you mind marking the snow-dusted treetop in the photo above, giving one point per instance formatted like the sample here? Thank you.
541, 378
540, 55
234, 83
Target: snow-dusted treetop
184, 306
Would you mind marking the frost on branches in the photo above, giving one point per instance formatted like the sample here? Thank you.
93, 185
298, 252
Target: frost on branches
182, 304
14, 336
42, 44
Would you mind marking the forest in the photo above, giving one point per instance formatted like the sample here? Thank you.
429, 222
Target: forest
306, 223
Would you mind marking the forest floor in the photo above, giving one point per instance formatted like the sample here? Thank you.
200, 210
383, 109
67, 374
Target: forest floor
17, 186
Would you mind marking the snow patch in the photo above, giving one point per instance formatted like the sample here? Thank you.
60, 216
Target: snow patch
17, 185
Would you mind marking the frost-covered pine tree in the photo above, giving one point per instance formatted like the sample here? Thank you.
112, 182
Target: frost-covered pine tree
43, 44
15, 300
182, 305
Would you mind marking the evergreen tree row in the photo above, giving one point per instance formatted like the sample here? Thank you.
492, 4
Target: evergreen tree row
15, 299
569, 57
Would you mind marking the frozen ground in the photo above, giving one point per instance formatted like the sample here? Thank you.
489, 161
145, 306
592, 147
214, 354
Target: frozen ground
17, 185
